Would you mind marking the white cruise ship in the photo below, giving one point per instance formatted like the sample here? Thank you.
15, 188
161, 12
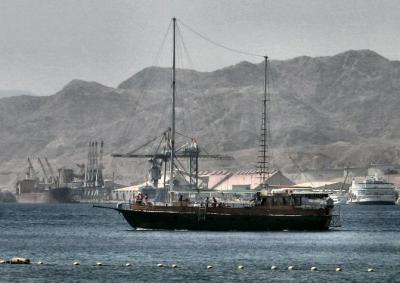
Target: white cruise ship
372, 191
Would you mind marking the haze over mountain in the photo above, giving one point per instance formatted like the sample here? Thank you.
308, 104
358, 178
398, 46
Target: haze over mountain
12, 92
325, 112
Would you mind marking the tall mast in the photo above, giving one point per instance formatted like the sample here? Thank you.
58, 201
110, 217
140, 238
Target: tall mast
173, 106
264, 162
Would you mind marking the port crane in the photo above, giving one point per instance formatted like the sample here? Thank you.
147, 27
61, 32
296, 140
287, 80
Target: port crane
162, 155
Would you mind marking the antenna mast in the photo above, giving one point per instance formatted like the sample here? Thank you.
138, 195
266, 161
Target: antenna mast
264, 158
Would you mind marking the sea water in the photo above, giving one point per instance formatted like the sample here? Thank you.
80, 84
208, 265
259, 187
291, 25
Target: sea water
60, 234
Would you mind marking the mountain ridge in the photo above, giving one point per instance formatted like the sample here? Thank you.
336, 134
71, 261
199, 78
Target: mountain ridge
327, 111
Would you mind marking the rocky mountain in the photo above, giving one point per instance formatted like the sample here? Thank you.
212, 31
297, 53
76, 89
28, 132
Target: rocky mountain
325, 112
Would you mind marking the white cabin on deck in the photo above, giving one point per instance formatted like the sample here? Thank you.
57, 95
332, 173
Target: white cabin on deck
225, 180
125, 193
220, 180
129, 193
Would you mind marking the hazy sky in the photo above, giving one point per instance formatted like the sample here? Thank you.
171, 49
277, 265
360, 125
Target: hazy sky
45, 44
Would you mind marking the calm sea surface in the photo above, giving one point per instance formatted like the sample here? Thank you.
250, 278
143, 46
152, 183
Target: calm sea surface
60, 234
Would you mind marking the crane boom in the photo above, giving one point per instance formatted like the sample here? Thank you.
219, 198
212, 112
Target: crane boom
177, 155
50, 168
345, 178
32, 171
43, 170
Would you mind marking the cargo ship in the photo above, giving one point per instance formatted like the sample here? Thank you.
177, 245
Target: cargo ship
43, 195
86, 185
182, 202
32, 189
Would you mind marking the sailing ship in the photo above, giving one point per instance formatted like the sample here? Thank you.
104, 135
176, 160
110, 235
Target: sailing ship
182, 203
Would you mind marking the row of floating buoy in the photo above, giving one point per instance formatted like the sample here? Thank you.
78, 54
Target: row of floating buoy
21, 260
273, 267
291, 267
314, 268
172, 266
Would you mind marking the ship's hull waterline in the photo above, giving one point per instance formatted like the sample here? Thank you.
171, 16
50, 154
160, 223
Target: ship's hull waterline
373, 202
58, 195
175, 219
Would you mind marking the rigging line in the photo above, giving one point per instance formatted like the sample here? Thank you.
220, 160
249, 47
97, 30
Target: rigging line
274, 101
180, 169
181, 81
149, 79
158, 54
145, 144
182, 147
218, 44
190, 61
185, 52
196, 83
155, 63
203, 149
183, 72
159, 144
164, 112
183, 135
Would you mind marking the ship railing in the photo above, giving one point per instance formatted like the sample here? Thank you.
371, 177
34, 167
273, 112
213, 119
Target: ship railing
123, 205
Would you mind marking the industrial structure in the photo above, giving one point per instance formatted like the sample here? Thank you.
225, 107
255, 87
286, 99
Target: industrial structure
94, 186
85, 185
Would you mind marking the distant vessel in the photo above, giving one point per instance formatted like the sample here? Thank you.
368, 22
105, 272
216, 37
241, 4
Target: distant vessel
372, 191
86, 185
187, 206
43, 195
33, 190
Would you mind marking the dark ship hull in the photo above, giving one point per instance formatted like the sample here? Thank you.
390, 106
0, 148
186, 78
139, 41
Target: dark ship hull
54, 195
225, 219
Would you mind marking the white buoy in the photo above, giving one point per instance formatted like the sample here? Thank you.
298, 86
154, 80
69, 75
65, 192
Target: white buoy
290, 267
99, 263
174, 266
274, 267
209, 266
338, 269
313, 268
40, 262
240, 267
371, 270
128, 264
160, 265
76, 263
